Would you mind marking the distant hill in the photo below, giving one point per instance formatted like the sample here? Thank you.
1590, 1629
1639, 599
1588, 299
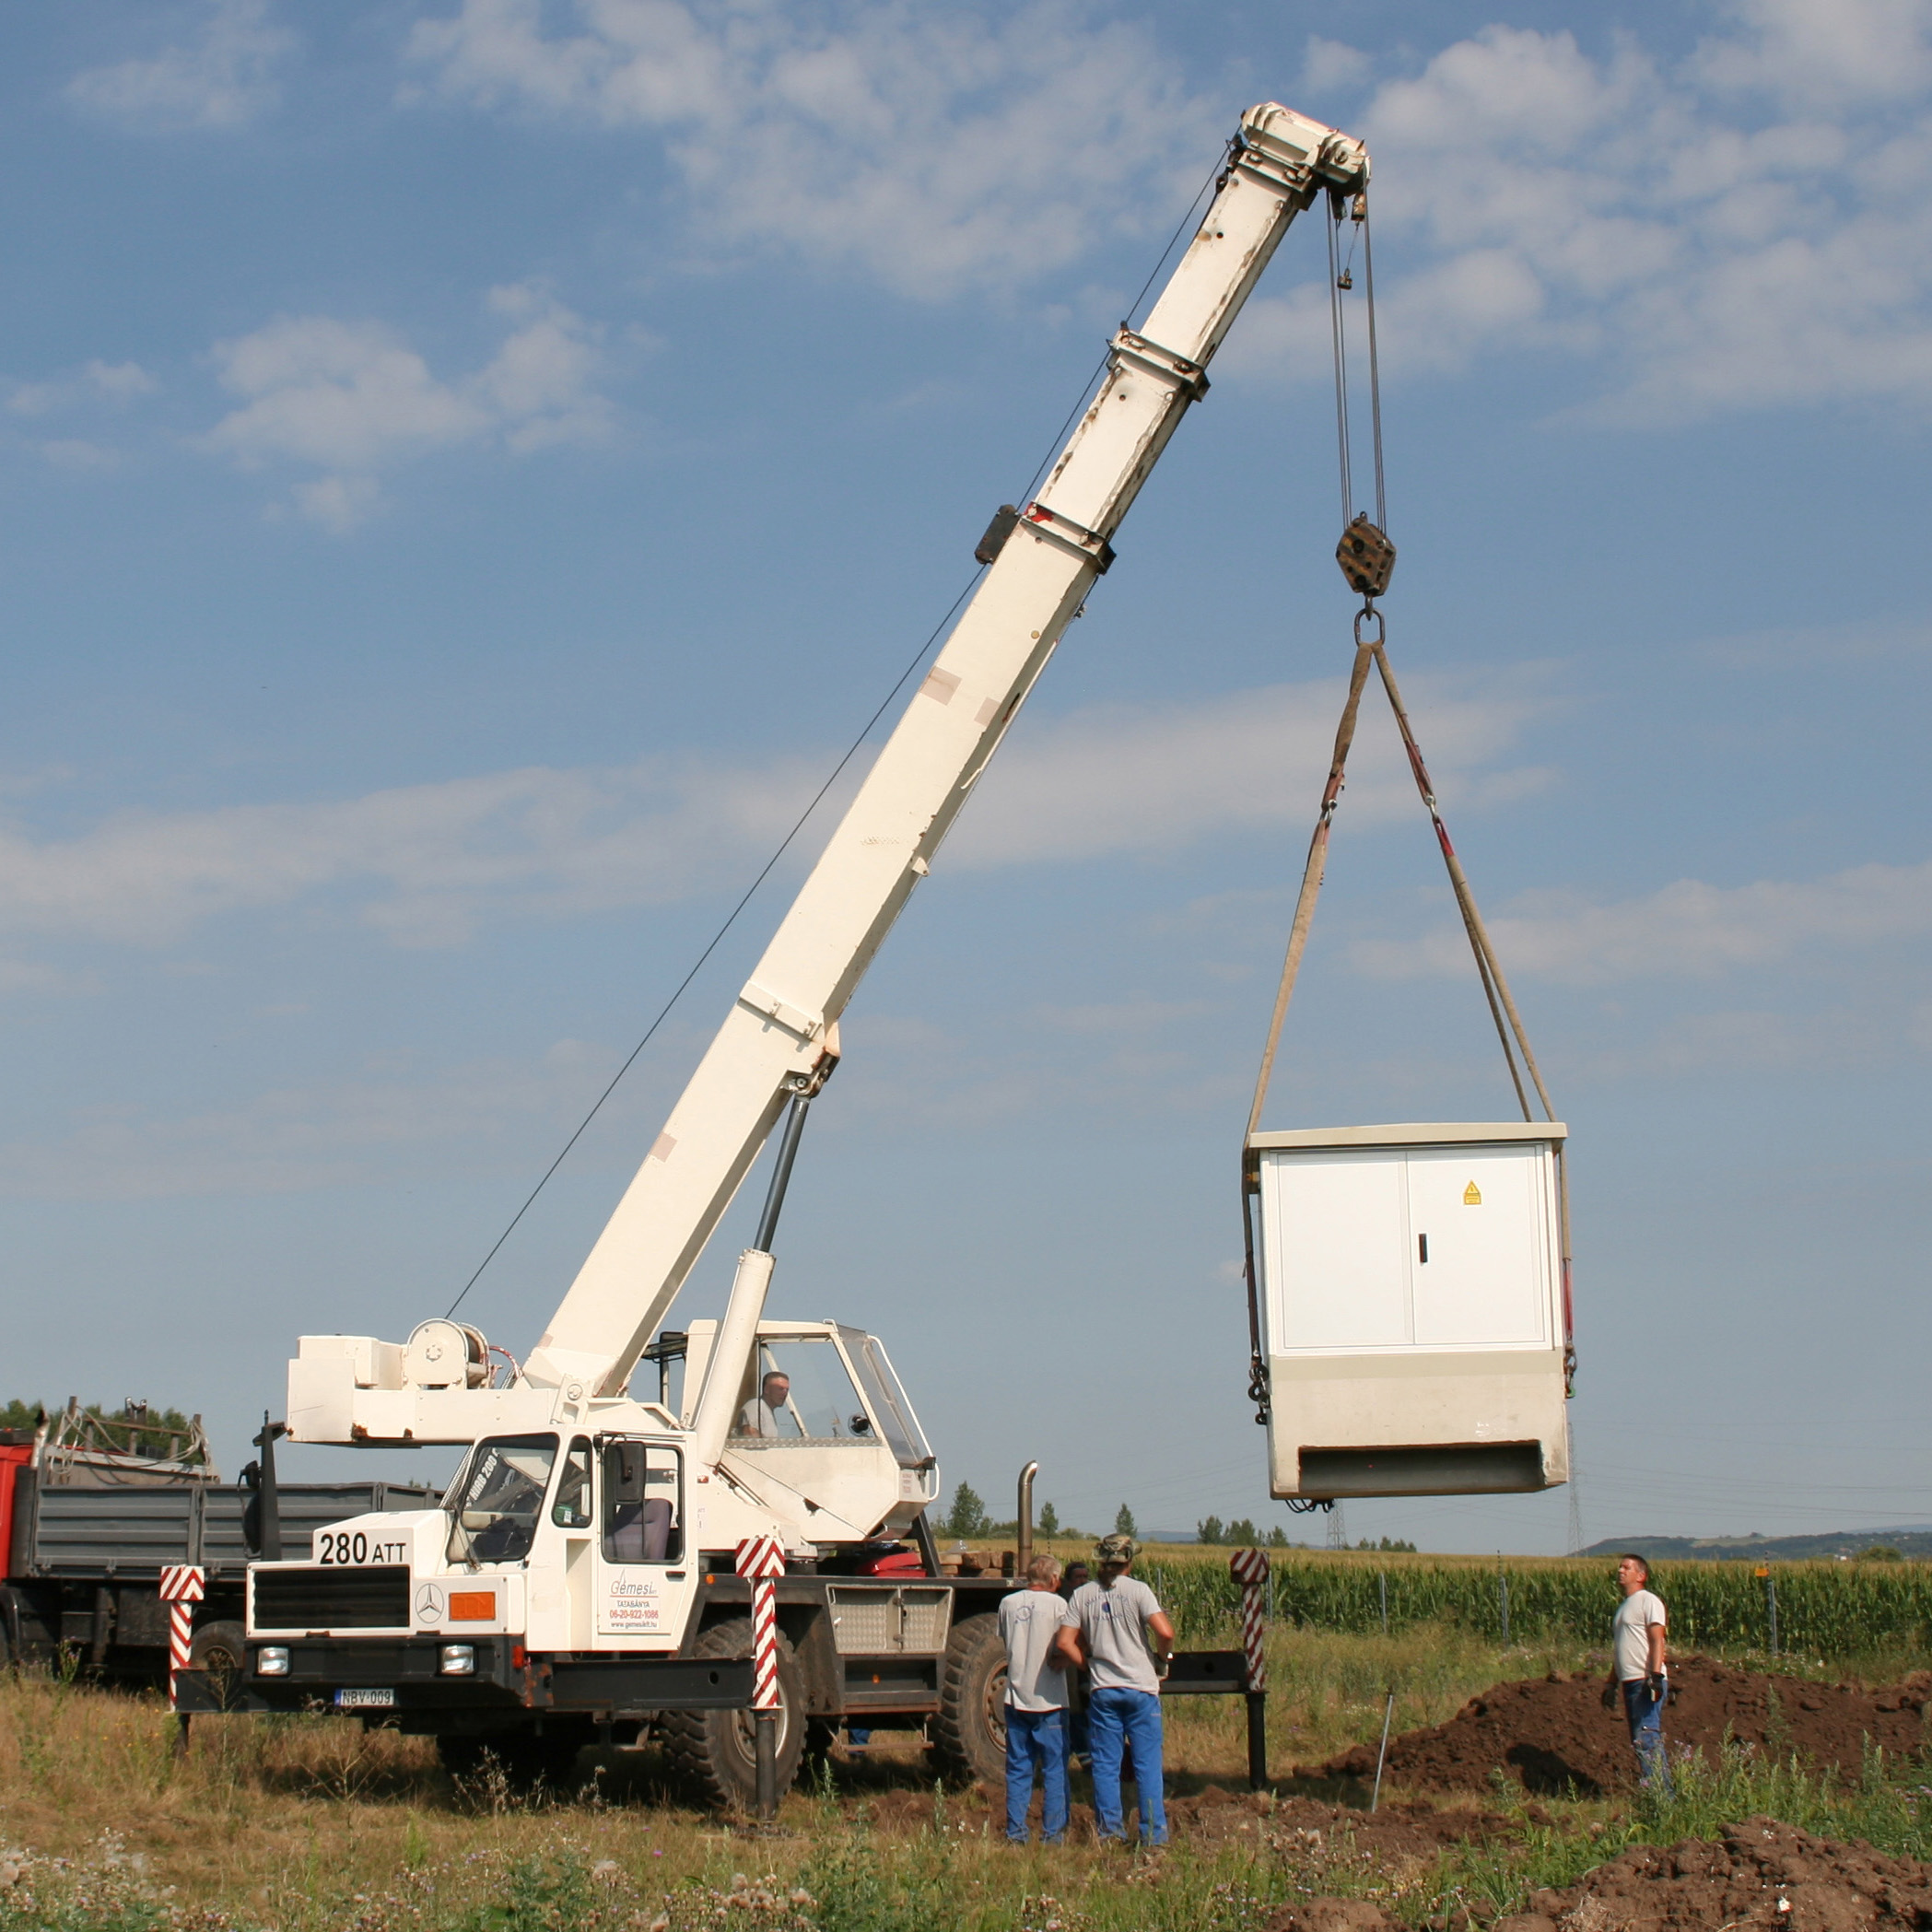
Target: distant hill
1914, 1543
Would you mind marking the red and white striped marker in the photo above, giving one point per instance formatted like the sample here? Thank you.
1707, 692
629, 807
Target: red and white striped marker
1249, 1568
762, 1562
182, 1586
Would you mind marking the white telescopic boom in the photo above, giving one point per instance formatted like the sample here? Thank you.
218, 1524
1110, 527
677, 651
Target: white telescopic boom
781, 1033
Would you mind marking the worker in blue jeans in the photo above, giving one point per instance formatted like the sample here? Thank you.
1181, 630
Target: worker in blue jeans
1030, 1623
1123, 1638
1639, 1676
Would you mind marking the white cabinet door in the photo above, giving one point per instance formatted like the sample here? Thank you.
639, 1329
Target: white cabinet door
1476, 1213
1338, 1268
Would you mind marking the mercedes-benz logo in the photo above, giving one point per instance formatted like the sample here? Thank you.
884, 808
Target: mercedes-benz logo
428, 1604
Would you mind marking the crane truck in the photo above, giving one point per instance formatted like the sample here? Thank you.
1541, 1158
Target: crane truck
577, 1582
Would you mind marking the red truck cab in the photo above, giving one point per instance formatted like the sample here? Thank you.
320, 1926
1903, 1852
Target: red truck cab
15, 1453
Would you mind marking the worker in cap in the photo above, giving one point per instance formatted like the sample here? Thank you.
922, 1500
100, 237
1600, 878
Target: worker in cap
1123, 1639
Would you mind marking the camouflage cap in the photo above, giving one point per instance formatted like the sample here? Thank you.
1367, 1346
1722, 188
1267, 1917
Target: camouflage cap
1115, 1549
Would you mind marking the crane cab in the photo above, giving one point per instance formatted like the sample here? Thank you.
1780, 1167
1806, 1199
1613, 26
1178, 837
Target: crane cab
819, 1412
1410, 1293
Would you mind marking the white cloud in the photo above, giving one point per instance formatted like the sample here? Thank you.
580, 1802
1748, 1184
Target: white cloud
33, 398
422, 864
367, 1126
1687, 930
424, 860
98, 382
74, 453
1332, 64
1751, 228
1152, 779
354, 398
1834, 51
939, 148
120, 381
337, 503
225, 77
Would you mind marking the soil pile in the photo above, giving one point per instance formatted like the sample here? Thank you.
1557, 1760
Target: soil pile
1553, 1735
1760, 1873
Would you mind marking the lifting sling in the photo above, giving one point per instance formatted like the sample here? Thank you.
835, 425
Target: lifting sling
1367, 560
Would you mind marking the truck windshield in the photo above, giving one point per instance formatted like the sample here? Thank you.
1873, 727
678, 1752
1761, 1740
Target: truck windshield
494, 1504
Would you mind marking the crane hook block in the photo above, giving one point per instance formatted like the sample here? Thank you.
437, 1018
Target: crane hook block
1366, 556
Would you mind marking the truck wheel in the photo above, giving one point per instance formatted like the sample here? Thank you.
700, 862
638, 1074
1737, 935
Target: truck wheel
715, 1752
970, 1727
218, 1648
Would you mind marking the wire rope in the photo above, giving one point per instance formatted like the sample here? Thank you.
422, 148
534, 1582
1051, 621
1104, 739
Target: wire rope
1180, 227
1214, 174
1338, 334
1375, 371
717, 939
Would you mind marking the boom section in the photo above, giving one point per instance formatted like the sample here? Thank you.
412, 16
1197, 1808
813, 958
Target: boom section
780, 1034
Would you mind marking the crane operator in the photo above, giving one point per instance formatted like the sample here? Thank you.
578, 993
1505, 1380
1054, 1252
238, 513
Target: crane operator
760, 1415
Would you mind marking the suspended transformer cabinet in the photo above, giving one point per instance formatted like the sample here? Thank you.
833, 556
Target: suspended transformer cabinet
1412, 1313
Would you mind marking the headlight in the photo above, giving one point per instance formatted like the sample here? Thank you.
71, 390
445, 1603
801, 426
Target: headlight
458, 1660
272, 1660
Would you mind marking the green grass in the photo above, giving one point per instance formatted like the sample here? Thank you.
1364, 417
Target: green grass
307, 1825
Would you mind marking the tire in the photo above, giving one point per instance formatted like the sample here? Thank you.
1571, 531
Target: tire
219, 1649
714, 1752
970, 1727
525, 1760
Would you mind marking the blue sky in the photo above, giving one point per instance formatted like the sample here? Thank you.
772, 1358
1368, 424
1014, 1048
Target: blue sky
467, 471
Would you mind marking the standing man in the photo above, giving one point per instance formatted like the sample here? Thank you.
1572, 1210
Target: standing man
1637, 1672
1123, 1637
1030, 1623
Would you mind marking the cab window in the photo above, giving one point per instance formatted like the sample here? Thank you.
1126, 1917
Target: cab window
643, 1503
571, 1510
495, 1504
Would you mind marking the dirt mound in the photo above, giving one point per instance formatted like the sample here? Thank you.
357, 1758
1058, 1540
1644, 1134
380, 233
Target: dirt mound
1760, 1873
1554, 1736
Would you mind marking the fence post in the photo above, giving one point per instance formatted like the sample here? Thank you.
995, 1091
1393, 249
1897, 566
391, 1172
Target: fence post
1382, 1580
1770, 1603
1503, 1597
1249, 1568
761, 1559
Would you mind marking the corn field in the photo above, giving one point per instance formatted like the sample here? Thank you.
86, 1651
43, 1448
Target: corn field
1824, 1609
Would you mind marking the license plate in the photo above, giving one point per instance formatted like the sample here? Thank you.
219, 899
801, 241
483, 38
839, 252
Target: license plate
365, 1700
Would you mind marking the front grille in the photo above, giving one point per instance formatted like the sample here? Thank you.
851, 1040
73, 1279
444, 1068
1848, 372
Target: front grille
325, 1597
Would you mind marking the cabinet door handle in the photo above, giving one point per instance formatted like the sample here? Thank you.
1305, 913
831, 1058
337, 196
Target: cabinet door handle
1422, 1247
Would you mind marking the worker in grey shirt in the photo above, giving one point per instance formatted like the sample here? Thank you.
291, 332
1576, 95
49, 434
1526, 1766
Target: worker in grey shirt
1124, 1640
1638, 1677
1030, 1621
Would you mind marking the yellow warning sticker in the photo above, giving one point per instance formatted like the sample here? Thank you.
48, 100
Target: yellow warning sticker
1472, 1196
